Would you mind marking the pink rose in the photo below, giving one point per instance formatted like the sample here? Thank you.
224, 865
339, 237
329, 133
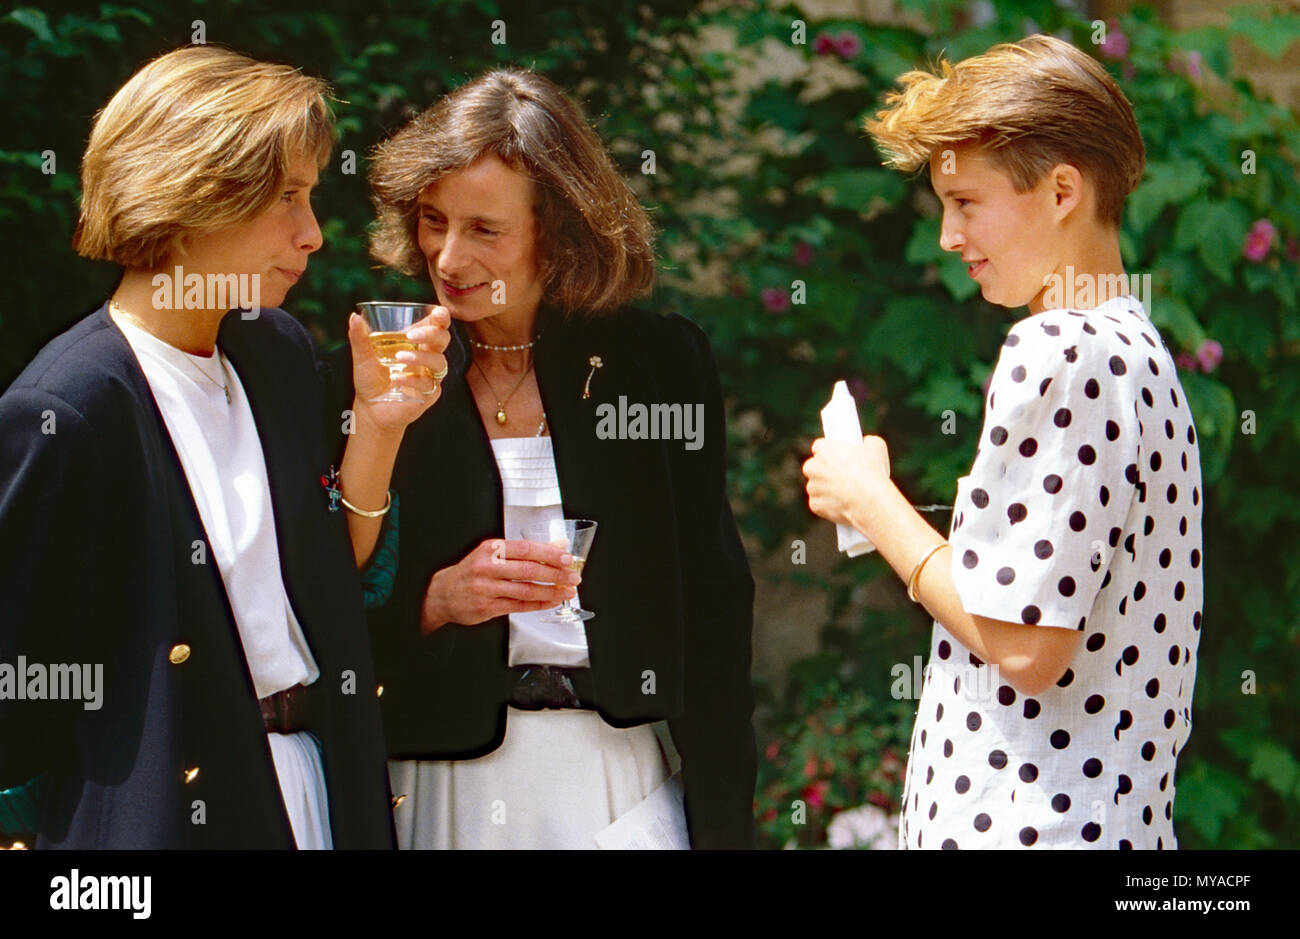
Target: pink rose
1259, 241
1115, 46
815, 795
803, 253
848, 45
1209, 355
775, 299
1185, 362
824, 44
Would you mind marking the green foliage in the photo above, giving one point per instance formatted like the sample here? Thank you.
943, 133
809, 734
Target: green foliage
766, 185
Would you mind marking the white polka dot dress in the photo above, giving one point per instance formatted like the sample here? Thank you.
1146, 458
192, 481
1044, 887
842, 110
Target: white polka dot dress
1082, 511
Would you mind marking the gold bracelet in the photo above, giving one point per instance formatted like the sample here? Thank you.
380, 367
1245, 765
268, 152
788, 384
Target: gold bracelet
916, 571
362, 512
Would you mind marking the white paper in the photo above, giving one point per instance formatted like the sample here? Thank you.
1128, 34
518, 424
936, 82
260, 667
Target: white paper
656, 823
840, 422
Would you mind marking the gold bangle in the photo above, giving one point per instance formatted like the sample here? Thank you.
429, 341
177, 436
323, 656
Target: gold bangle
362, 512
916, 572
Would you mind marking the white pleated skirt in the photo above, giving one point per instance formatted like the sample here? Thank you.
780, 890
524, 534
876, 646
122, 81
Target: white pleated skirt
558, 778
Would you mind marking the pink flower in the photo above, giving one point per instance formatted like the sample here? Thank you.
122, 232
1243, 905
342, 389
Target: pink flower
803, 253
1209, 355
810, 767
1259, 241
824, 44
772, 750
815, 795
1193, 65
848, 45
775, 299
1185, 362
1115, 46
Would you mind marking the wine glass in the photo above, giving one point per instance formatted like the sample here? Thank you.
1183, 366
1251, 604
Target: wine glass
388, 324
574, 535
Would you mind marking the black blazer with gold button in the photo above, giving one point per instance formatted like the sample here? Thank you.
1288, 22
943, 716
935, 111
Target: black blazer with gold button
667, 576
104, 560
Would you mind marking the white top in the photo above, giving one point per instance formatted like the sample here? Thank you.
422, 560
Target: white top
531, 495
1082, 511
221, 454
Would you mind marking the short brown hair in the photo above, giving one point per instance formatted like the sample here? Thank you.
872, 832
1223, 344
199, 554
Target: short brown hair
1030, 105
198, 139
594, 238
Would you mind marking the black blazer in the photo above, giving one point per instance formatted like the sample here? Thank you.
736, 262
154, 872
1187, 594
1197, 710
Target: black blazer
99, 538
667, 576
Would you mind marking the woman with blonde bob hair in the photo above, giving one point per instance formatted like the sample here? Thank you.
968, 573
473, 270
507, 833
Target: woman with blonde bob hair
504, 729
161, 507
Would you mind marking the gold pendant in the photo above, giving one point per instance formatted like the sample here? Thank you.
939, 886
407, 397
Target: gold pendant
501, 415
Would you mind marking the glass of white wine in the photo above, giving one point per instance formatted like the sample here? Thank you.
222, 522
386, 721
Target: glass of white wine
574, 535
388, 322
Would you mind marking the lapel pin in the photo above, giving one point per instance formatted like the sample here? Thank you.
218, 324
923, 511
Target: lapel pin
595, 363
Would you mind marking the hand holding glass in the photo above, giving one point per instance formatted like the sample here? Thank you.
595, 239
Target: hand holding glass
388, 323
574, 535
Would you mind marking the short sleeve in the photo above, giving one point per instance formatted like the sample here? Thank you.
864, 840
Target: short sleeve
1038, 519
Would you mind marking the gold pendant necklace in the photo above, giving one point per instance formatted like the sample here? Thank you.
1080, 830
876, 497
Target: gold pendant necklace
501, 416
112, 305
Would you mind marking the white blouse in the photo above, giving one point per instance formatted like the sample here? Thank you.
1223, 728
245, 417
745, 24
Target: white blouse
221, 454
531, 495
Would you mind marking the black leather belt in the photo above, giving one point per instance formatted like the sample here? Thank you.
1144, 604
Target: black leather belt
535, 687
290, 710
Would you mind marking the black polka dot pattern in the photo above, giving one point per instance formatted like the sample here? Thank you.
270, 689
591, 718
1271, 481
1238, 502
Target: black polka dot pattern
1084, 515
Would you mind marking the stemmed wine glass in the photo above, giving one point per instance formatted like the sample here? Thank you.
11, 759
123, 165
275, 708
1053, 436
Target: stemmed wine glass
574, 535
388, 324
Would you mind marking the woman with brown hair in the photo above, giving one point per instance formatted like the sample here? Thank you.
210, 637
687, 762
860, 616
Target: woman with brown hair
504, 730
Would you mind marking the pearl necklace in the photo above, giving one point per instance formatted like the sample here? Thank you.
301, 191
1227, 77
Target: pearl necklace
523, 347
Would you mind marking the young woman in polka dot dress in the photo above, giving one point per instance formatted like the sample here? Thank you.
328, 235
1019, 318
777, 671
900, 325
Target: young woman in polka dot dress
1067, 597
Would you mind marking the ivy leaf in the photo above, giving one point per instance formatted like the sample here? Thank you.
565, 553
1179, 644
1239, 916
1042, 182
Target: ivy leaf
1273, 34
34, 20
1215, 413
1167, 182
859, 189
1208, 797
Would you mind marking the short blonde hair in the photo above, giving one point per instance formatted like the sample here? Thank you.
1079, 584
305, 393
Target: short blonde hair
198, 139
1030, 105
594, 238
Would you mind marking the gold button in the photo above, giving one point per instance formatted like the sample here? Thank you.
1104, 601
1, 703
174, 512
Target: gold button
379, 692
190, 774
179, 653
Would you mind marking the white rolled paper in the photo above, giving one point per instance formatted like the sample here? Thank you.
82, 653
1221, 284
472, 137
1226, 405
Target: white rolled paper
840, 422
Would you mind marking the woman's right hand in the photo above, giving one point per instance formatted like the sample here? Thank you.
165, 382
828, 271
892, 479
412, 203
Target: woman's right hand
492, 580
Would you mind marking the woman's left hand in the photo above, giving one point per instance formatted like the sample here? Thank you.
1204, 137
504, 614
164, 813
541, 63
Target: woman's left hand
844, 475
370, 376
